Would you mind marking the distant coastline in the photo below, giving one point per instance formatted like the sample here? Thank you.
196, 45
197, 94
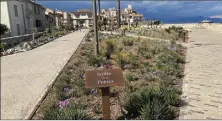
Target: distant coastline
180, 20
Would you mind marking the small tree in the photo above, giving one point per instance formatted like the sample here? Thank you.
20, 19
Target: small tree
3, 29
105, 22
34, 30
112, 24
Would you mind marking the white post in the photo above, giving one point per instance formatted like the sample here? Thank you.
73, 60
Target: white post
33, 36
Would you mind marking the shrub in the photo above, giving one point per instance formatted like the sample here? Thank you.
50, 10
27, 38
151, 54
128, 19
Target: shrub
128, 42
3, 29
131, 77
133, 60
34, 30
109, 48
144, 50
122, 59
150, 104
72, 112
169, 62
171, 94
93, 60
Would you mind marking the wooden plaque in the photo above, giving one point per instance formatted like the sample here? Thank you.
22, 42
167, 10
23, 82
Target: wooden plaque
104, 78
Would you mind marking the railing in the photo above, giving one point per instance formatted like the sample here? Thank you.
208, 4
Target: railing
33, 34
12, 41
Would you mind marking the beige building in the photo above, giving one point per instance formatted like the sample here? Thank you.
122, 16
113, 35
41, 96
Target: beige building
130, 15
83, 17
58, 19
50, 18
20, 16
67, 21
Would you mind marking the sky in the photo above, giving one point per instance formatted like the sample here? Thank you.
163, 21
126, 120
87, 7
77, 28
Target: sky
150, 9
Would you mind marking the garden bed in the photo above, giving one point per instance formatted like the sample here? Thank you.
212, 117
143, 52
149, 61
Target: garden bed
28, 43
153, 71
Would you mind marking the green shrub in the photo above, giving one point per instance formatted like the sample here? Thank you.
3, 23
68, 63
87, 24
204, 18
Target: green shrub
150, 104
97, 61
131, 77
128, 42
72, 112
171, 94
121, 60
3, 29
133, 60
109, 48
169, 62
144, 51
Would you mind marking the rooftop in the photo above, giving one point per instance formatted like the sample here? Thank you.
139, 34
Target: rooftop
83, 11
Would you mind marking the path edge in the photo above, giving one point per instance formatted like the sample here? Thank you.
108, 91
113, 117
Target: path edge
45, 93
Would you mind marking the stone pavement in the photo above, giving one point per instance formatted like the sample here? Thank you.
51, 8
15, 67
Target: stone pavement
202, 85
25, 76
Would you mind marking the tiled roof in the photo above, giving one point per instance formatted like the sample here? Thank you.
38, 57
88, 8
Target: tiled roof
83, 11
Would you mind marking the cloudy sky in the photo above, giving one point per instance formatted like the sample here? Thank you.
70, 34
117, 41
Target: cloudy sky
154, 8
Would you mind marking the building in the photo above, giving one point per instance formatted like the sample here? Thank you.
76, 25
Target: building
50, 21
83, 16
130, 15
58, 19
67, 21
127, 14
20, 16
109, 13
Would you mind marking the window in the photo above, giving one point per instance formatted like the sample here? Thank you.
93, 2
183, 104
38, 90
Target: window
38, 10
16, 10
18, 29
35, 10
38, 23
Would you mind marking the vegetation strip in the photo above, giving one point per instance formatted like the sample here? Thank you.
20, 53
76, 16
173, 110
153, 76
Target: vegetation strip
51, 85
153, 71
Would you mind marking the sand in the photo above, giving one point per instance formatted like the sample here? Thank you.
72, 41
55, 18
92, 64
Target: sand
217, 27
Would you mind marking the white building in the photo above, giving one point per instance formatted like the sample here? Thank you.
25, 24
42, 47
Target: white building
20, 16
82, 17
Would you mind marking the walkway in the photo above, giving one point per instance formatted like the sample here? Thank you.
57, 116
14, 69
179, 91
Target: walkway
25, 76
202, 86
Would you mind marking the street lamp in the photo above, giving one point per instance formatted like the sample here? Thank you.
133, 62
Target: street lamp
95, 25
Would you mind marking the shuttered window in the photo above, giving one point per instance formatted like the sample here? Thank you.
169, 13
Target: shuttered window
16, 10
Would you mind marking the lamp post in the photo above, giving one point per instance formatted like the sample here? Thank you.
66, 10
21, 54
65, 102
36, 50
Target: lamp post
95, 25
118, 19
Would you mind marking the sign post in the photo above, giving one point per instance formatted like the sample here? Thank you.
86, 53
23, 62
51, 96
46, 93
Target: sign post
105, 103
104, 78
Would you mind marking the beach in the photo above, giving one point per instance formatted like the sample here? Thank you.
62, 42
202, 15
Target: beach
217, 27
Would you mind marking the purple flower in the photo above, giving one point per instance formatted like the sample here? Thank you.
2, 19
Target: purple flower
107, 66
63, 104
66, 89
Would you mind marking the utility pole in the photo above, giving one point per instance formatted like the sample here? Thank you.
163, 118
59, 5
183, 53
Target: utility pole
95, 25
99, 10
118, 20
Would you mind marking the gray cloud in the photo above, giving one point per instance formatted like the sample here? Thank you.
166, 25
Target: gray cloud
149, 8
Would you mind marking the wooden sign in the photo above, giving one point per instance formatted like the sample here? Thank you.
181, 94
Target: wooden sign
104, 78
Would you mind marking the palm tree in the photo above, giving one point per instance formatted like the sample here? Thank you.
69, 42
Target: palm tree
118, 18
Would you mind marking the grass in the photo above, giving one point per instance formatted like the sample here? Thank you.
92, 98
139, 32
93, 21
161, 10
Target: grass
172, 33
152, 70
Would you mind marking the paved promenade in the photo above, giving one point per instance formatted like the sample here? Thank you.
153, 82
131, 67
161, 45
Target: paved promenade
25, 76
202, 88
